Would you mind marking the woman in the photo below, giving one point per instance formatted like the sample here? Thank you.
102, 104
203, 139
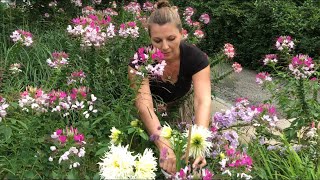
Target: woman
186, 65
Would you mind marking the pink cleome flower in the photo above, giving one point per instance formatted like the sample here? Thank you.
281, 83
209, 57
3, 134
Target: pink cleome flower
22, 36
284, 42
205, 18
198, 33
237, 67
229, 50
262, 77
302, 66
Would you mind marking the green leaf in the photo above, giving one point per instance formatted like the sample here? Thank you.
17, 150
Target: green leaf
144, 136
131, 130
86, 124
22, 124
108, 60
55, 175
101, 151
29, 175
6, 130
14, 104
71, 175
41, 140
96, 176
99, 119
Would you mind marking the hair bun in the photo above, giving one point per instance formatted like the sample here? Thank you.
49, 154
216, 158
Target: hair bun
162, 4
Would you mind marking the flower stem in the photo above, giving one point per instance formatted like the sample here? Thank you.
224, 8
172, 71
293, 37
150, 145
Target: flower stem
188, 146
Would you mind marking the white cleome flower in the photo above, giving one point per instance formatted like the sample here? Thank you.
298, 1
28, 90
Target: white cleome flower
199, 144
146, 165
117, 163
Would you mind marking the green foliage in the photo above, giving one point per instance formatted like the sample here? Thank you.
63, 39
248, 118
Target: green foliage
296, 96
252, 25
285, 163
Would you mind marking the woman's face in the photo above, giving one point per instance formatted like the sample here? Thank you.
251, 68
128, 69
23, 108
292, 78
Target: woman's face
167, 38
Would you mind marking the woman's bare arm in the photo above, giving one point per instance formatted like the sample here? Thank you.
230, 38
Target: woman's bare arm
202, 96
144, 105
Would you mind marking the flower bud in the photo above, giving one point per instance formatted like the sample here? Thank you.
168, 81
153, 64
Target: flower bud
53, 148
222, 156
134, 123
50, 159
141, 130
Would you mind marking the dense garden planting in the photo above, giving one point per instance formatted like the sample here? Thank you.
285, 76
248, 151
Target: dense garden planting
67, 109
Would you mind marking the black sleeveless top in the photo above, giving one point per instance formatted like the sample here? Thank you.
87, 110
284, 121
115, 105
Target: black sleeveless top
192, 60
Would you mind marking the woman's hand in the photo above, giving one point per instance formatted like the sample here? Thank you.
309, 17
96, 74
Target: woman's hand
167, 157
168, 163
199, 163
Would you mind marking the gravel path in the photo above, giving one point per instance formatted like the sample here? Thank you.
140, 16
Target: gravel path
239, 85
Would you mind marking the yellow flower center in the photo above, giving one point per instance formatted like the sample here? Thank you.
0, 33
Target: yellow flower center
116, 164
197, 141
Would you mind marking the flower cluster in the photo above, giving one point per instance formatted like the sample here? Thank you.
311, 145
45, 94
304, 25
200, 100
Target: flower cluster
53, 4
34, 99
148, 61
270, 59
113, 4
15, 68
110, 12
148, 6
184, 34
263, 113
205, 18
3, 107
200, 145
312, 131
68, 147
23, 37
188, 13
302, 66
228, 50
93, 29
77, 3
96, 1
88, 10
59, 59
133, 7
186, 174
76, 77
284, 42
58, 101
198, 33
237, 67
234, 160
129, 29
120, 163
262, 77
195, 26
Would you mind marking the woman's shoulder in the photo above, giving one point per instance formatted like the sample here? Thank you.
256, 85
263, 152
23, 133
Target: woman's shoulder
190, 51
193, 58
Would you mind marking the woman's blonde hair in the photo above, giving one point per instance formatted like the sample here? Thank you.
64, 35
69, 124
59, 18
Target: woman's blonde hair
163, 14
